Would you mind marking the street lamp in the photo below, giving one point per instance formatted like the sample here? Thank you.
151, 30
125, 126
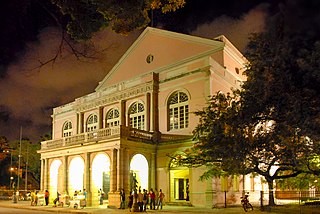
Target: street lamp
11, 168
11, 182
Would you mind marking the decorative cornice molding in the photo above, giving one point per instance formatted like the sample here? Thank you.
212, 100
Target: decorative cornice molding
115, 97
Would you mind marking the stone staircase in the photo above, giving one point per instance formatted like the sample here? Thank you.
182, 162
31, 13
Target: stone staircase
179, 203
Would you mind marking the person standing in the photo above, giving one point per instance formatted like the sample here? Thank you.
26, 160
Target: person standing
33, 198
122, 199
130, 203
152, 199
140, 200
101, 196
160, 199
85, 193
46, 197
145, 199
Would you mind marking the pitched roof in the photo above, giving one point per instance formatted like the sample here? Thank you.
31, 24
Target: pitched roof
156, 48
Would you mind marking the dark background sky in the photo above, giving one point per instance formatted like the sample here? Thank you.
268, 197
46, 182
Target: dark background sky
29, 34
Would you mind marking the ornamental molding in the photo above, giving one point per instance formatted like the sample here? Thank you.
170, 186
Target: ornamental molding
114, 97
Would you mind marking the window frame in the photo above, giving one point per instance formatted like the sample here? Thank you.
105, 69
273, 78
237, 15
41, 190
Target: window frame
178, 111
67, 132
114, 120
94, 125
137, 116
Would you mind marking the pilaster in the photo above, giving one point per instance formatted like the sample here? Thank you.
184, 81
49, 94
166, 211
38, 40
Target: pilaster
101, 118
113, 174
153, 171
46, 173
42, 175
65, 174
87, 178
123, 112
148, 113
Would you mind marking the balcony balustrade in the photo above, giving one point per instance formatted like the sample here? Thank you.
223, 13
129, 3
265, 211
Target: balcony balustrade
96, 136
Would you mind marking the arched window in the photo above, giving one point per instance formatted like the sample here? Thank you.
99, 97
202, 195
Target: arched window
92, 122
178, 111
112, 118
137, 115
67, 129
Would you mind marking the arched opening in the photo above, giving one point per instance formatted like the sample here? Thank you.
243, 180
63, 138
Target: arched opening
178, 111
179, 183
139, 170
100, 175
137, 115
55, 178
76, 174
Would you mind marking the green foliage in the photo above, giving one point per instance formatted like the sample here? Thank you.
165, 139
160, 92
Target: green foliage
303, 181
29, 158
226, 144
89, 16
271, 126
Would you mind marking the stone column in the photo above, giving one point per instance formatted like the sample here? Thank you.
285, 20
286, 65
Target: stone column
46, 174
87, 178
123, 112
42, 175
53, 127
101, 118
80, 119
119, 169
153, 183
113, 171
155, 104
65, 174
126, 171
114, 198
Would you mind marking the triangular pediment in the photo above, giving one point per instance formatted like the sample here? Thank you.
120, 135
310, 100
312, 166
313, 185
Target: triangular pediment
154, 49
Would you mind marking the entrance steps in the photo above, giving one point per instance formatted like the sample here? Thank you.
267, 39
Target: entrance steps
179, 203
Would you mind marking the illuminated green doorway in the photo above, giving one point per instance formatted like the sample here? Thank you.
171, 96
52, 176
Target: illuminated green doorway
179, 183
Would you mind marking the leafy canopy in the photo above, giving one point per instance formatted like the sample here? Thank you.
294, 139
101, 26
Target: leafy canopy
89, 16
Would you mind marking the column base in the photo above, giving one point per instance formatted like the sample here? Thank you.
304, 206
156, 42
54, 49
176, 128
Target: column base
114, 199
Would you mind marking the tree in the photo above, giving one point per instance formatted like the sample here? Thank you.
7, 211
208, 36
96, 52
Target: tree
29, 163
284, 70
227, 144
271, 126
87, 17
24, 19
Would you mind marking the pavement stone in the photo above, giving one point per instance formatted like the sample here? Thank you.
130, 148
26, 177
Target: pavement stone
104, 209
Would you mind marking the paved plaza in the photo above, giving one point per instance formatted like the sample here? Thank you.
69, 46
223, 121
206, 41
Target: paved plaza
166, 209
104, 209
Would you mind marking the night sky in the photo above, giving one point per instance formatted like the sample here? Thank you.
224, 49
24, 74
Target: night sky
29, 35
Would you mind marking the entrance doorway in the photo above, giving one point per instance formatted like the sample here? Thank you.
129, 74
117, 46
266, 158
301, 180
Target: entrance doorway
139, 170
100, 175
55, 179
76, 175
179, 183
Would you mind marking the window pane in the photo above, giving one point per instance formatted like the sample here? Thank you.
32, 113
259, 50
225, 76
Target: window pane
178, 111
137, 115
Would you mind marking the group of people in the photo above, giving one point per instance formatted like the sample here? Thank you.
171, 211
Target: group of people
34, 196
76, 194
146, 200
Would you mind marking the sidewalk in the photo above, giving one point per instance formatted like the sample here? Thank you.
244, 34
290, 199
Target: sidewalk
104, 209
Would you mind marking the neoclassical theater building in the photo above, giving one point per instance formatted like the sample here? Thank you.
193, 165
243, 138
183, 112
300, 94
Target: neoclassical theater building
138, 117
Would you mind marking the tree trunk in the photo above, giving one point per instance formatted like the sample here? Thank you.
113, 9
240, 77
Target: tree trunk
271, 196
